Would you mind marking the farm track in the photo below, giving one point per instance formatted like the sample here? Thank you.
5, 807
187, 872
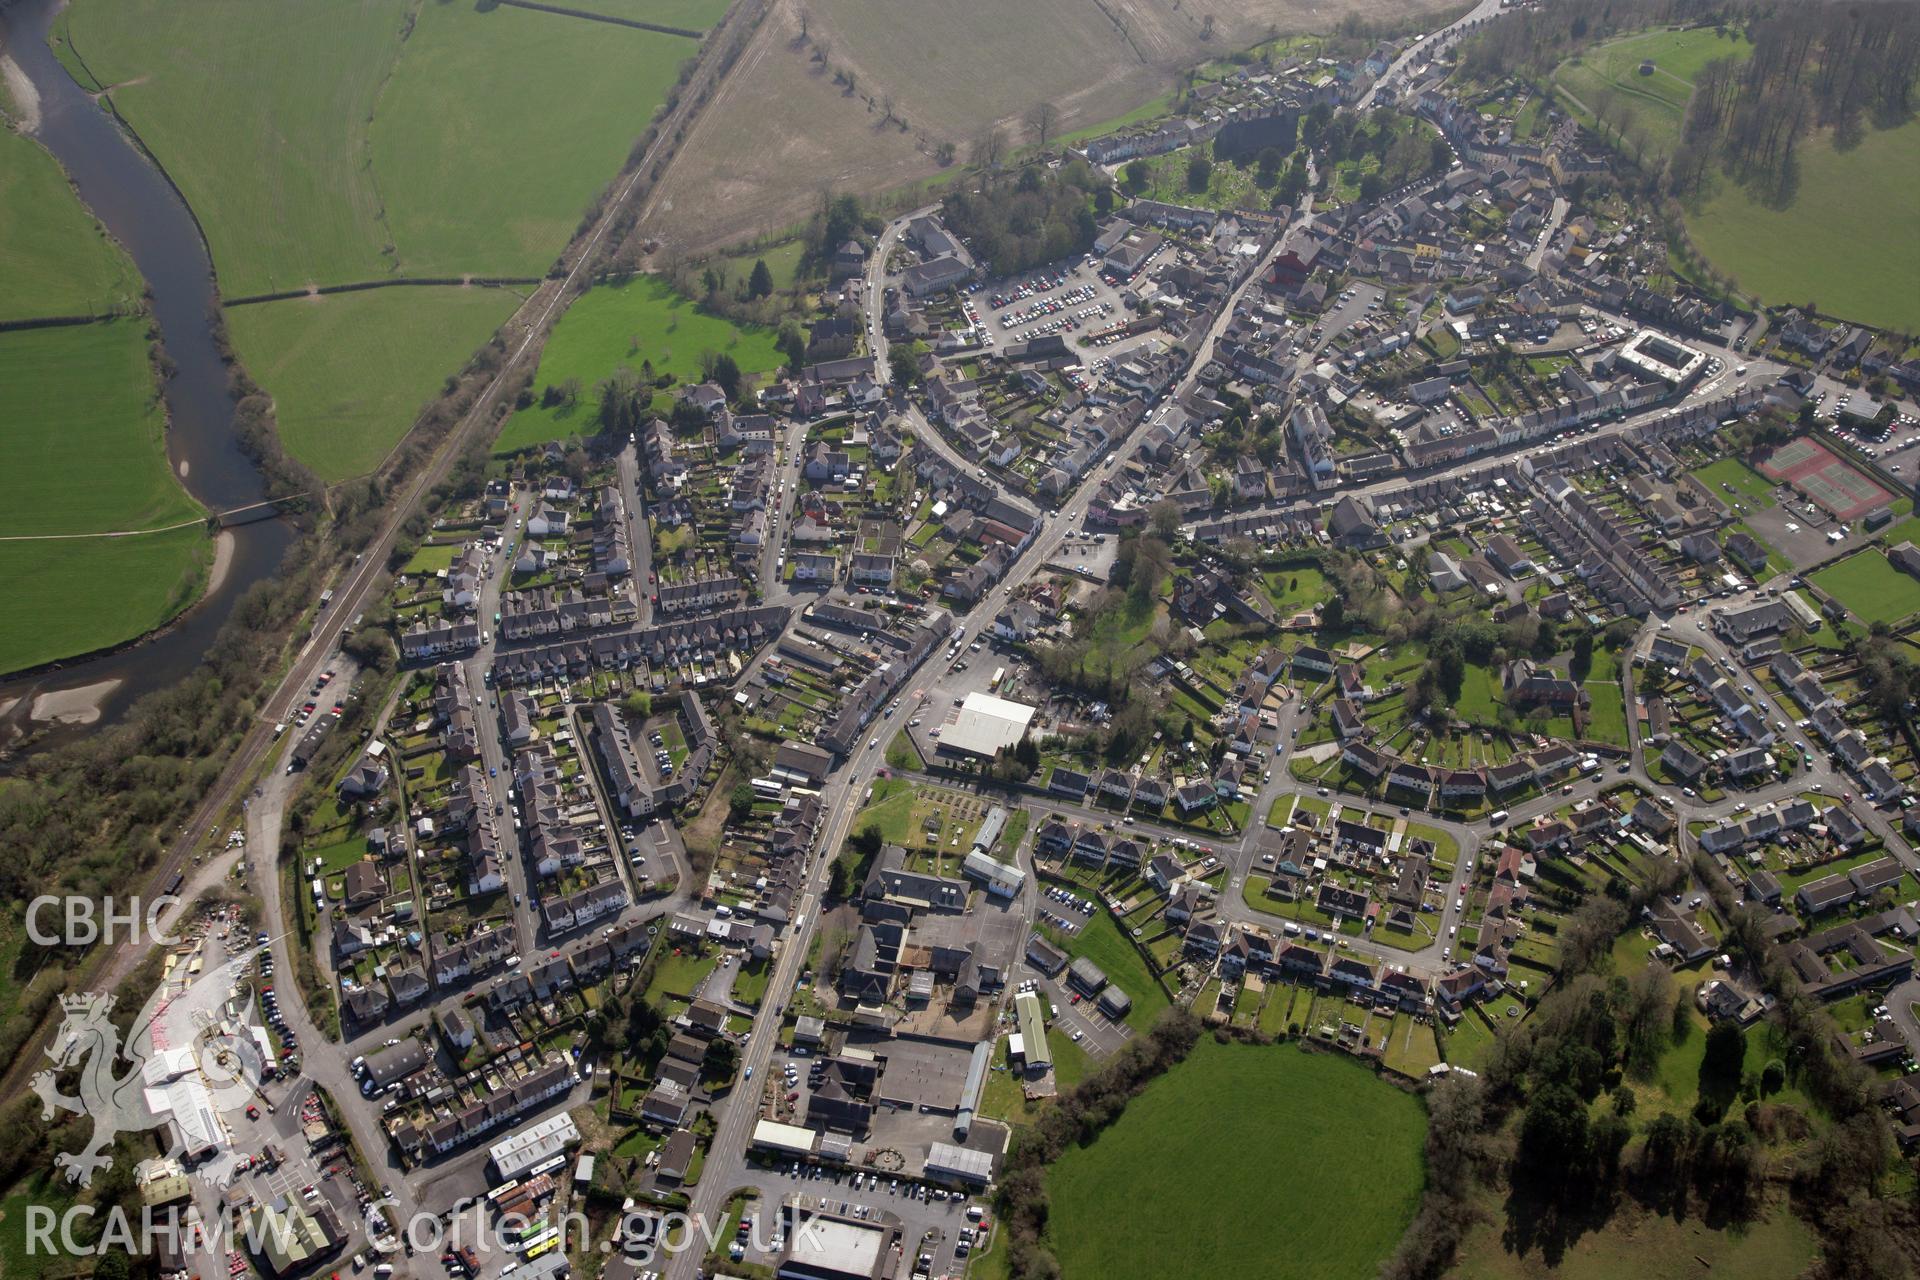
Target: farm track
531, 323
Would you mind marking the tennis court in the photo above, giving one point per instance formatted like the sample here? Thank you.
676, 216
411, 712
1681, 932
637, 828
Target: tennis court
1827, 481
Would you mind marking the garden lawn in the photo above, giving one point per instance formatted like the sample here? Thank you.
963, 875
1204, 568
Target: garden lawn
349, 372
624, 324
1871, 588
891, 811
1607, 713
1217, 1119
56, 259
483, 166
1479, 696
1856, 246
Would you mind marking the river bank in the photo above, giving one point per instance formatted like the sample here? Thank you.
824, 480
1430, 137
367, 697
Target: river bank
142, 209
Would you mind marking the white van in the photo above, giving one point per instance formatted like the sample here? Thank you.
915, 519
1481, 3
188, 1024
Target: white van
1497, 817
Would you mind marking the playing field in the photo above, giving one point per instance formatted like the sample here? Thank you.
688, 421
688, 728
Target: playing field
1852, 225
349, 372
55, 259
1813, 469
1870, 588
628, 324
1655, 103
1172, 1188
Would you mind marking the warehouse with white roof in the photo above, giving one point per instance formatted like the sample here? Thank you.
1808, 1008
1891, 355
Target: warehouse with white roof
986, 726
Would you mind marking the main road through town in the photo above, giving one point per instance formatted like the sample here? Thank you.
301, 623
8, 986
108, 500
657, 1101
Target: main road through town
843, 794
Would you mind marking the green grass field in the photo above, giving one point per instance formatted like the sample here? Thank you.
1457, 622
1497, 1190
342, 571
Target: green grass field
348, 372
482, 166
1851, 226
74, 595
1172, 1187
1657, 102
83, 433
258, 113
351, 140
625, 324
691, 15
1870, 588
55, 258
1647, 1247
1748, 485
1606, 714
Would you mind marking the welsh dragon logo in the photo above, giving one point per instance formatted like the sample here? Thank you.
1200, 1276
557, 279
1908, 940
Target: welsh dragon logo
115, 1103
221, 1070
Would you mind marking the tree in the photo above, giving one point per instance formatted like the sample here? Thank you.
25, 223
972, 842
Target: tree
1152, 561
840, 219
1553, 1134
722, 1058
1199, 172
1266, 166
1042, 120
1725, 1056
111, 1265
905, 366
726, 373
1333, 614
638, 703
623, 402
1137, 175
1582, 661
760, 280
792, 343
1164, 518
740, 802
1293, 185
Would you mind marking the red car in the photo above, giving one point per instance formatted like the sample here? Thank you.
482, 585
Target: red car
253, 1112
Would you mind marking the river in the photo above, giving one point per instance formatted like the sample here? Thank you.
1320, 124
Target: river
145, 213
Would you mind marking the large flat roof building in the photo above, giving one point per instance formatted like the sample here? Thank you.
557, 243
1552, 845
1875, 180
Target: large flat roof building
535, 1144
1655, 355
834, 1248
986, 726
